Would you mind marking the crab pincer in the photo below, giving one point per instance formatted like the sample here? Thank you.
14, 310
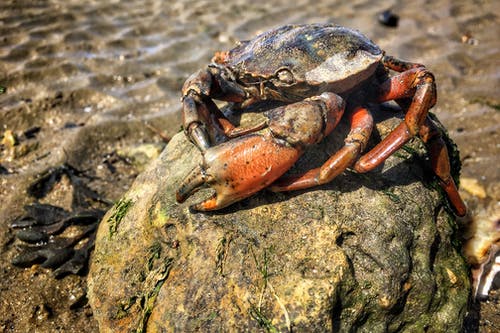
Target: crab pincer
238, 168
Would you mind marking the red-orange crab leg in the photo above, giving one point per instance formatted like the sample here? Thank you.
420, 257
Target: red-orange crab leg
440, 163
417, 83
361, 126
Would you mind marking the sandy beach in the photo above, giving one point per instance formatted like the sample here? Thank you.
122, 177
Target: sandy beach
82, 82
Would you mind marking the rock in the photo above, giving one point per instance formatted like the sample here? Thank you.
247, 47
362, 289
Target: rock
375, 252
473, 186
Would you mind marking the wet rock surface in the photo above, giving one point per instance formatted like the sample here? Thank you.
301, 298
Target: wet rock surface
81, 85
375, 253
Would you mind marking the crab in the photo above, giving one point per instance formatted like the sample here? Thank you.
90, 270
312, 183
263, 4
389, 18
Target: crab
317, 72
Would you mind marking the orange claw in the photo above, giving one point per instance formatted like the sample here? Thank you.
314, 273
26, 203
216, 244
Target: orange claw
239, 168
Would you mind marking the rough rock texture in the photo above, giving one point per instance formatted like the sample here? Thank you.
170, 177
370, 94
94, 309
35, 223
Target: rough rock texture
374, 252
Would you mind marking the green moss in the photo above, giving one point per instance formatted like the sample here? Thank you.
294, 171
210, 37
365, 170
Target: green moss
123, 308
120, 210
211, 316
154, 253
158, 215
262, 267
411, 151
152, 280
3, 90
256, 313
390, 193
148, 299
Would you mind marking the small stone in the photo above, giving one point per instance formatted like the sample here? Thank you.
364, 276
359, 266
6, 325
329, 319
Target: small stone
473, 186
388, 18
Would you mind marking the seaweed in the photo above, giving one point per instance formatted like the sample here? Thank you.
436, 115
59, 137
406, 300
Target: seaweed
256, 313
148, 300
120, 210
390, 193
39, 230
48, 179
221, 254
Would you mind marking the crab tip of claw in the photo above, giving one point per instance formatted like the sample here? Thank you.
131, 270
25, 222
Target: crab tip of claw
180, 197
190, 184
183, 193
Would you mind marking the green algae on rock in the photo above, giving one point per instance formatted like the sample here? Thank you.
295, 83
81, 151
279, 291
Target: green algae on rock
373, 252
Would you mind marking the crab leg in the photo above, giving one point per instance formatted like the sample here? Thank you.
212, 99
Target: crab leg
417, 83
361, 126
202, 119
440, 163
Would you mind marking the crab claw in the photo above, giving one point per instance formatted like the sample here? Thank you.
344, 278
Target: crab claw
238, 168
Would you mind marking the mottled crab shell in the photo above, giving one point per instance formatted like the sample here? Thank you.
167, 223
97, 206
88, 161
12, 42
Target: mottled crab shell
315, 54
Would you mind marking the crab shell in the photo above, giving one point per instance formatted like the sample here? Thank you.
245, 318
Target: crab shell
304, 60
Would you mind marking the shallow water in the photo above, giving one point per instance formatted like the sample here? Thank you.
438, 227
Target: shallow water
92, 74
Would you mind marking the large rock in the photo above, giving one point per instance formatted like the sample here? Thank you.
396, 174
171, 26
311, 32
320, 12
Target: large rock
375, 252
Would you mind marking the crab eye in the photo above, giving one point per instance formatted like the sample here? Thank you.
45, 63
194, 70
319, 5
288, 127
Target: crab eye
285, 76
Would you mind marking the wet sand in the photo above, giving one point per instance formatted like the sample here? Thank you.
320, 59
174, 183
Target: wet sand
85, 80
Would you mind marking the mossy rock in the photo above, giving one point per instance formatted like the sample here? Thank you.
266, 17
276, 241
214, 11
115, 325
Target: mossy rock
372, 253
